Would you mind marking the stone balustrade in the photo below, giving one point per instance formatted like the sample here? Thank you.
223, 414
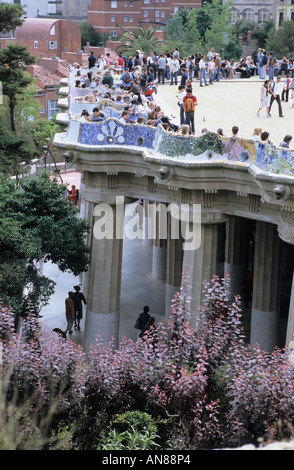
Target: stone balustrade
205, 147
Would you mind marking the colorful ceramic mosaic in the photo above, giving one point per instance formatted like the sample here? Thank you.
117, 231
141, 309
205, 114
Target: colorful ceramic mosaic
207, 146
115, 132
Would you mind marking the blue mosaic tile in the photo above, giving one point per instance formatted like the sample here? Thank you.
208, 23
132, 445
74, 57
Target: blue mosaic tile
115, 132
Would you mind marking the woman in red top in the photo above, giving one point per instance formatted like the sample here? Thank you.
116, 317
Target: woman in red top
73, 196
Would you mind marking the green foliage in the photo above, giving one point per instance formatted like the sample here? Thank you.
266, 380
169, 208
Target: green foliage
36, 220
10, 16
200, 29
89, 34
14, 148
140, 39
241, 27
264, 32
13, 60
28, 108
232, 50
133, 430
204, 388
281, 41
41, 130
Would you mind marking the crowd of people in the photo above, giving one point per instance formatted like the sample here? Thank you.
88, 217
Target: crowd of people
132, 82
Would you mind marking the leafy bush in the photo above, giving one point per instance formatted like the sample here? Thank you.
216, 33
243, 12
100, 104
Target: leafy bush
176, 388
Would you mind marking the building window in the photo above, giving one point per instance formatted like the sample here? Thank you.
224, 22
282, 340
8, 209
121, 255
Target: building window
162, 14
125, 4
156, 14
53, 45
112, 18
114, 34
145, 14
292, 15
264, 15
236, 15
52, 31
131, 3
176, 9
35, 44
52, 108
125, 19
131, 19
281, 18
42, 110
248, 14
146, 1
113, 4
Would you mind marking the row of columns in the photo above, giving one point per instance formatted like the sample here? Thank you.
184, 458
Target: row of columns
224, 248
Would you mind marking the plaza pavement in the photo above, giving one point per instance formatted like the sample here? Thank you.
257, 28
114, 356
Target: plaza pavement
230, 103
223, 104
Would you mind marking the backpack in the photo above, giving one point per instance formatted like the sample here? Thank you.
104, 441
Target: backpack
272, 61
264, 60
188, 104
127, 77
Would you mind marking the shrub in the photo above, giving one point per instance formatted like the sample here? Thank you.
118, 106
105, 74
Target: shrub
176, 388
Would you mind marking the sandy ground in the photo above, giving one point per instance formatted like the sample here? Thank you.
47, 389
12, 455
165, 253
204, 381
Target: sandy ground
230, 103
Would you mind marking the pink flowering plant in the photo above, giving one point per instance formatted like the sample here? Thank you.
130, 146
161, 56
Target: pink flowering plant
201, 386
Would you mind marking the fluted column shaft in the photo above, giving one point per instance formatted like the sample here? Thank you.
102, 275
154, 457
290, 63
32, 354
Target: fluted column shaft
266, 287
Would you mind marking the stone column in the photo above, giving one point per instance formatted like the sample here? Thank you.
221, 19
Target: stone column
87, 214
290, 324
200, 264
105, 274
266, 287
221, 240
158, 217
236, 253
174, 261
147, 224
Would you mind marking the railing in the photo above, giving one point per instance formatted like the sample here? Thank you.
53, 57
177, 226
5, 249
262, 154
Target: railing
205, 147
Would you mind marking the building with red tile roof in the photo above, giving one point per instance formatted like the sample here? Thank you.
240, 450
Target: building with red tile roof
47, 37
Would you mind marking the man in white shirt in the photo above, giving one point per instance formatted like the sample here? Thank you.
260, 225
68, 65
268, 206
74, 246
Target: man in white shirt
275, 95
202, 68
210, 54
174, 70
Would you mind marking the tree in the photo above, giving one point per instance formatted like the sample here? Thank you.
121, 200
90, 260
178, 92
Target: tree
202, 28
281, 41
37, 221
14, 148
89, 34
13, 60
10, 16
140, 39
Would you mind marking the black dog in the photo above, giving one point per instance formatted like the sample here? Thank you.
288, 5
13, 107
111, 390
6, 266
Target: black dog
60, 332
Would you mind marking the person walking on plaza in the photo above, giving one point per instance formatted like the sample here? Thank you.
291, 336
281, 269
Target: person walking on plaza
174, 68
202, 68
181, 94
263, 59
142, 320
271, 66
91, 60
275, 95
78, 297
189, 103
161, 64
264, 98
286, 88
69, 312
